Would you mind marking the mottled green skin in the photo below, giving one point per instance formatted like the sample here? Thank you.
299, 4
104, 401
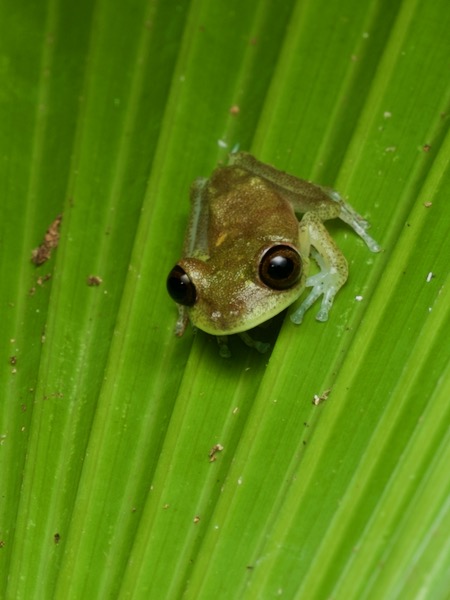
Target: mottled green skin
240, 211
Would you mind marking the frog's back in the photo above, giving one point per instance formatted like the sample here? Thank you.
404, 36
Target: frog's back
243, 205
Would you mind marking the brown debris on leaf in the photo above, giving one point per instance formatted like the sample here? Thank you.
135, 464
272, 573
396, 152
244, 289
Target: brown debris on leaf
214, 450
318, 399
94, 280
42, 253
43, 279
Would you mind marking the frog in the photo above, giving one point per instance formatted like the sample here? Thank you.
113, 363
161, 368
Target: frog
252, 235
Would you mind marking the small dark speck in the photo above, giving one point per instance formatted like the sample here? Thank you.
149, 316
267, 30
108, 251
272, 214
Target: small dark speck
94, 280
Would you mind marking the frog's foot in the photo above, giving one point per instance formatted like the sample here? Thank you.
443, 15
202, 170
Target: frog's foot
224, 351
349, 215
327, 283
182, 321
360, 225
261, 347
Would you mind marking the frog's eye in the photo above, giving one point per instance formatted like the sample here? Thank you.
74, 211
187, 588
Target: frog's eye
180, 287
280, 267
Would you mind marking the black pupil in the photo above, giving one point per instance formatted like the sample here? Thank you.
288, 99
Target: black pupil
180, 287
177, 286
280, 267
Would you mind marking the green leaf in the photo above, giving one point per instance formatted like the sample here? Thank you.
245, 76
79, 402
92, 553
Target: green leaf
108, 114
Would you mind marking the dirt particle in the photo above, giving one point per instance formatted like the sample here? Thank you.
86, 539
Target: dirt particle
214, 450
43, 252
43, 279
94, 280
319, 398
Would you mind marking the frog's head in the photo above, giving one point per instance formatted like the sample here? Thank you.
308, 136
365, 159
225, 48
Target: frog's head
225, 295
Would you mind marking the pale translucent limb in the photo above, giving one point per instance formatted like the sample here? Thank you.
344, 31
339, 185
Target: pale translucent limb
261, 347
333, 270
349, 215
224, 351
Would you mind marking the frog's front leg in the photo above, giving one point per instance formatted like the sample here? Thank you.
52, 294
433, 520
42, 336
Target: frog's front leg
333, 267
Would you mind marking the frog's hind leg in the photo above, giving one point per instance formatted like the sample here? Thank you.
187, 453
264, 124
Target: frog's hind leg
195, 240
333, 269
261, 347
349, 215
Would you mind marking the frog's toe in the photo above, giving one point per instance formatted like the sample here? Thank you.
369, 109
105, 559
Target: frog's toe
322, 315
359, 225
316, 292
261, 347
297, 317
326, 284
327, 303
224, 351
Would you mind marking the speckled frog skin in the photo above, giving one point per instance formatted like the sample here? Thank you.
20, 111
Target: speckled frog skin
246, 256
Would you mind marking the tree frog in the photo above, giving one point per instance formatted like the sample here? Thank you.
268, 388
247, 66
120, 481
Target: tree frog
246, 256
